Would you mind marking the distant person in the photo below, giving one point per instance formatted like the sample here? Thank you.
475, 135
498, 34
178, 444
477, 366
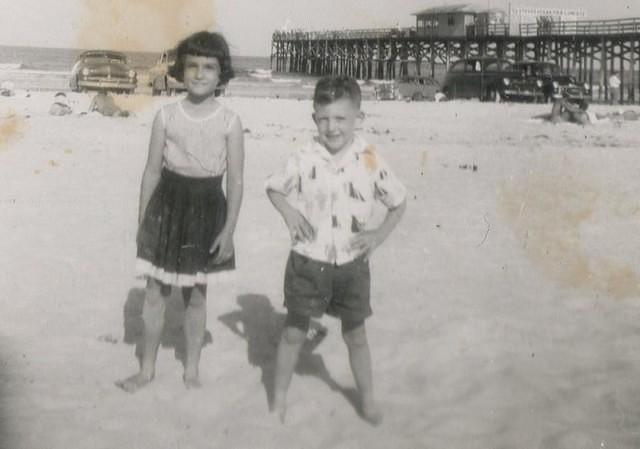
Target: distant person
567, 111
186, 225
7, 89
326, 196
614, 88
104, 103
60, 105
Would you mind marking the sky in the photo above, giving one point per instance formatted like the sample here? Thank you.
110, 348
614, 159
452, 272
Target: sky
152, 25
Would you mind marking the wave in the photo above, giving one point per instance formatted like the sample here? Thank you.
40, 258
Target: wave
11, 66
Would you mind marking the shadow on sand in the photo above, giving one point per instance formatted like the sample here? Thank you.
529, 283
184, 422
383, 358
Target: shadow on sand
260, 325
172, 334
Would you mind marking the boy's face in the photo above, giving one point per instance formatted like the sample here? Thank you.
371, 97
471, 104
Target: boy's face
201, 75
336, 123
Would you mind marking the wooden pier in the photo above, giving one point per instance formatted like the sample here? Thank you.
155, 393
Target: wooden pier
589, 50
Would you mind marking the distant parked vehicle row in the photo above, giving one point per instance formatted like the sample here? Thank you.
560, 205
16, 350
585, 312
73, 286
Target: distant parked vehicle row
102, 70
497, 79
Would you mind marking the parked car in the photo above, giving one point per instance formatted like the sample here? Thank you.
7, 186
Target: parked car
385, 90
486, 78
416, 88
159, 79
554, 83
102, 70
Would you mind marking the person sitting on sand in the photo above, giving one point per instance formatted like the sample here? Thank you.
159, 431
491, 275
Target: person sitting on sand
60, 105
7, 89
326, 196
106, 105
564, 110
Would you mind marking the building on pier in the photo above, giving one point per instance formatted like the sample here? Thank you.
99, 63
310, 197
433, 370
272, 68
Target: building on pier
462, 20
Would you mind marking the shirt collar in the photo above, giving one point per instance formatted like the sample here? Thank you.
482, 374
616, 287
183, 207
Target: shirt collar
357, 146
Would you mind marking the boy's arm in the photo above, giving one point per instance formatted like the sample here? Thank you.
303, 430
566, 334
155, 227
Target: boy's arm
153, 168
235, 188
299, 227
368, 241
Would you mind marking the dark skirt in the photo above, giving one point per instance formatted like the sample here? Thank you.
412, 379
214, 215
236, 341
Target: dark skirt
181, 221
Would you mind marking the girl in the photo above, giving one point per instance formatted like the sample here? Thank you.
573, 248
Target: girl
185, 224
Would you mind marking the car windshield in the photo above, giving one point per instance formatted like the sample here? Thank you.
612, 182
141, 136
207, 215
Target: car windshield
539, 69
101, 59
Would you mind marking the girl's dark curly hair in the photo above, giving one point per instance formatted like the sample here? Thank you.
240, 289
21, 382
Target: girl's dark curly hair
204, 43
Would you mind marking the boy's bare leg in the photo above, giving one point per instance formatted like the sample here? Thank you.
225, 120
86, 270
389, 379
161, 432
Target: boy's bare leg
355, 336
195, 322
289, 347
153, 318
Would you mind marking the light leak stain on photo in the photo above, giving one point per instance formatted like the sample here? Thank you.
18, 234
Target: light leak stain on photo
142, 25
572, 233
11, 127
370, 160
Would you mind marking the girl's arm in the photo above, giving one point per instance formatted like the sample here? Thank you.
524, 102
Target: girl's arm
235, 173
235, 187
153, 168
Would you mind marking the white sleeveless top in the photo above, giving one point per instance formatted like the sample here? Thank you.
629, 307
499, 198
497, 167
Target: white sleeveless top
196, 147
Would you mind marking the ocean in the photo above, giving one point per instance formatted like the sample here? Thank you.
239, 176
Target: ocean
62, 59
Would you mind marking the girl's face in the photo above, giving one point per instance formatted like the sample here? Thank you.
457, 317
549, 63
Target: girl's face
201, 75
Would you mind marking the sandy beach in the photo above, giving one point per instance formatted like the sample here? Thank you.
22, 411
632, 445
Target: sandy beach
506, 304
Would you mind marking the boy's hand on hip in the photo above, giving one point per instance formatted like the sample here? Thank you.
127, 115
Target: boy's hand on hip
365, 242
223, 244
299, 228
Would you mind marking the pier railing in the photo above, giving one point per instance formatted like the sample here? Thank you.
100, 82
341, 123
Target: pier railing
543, 28
582, 27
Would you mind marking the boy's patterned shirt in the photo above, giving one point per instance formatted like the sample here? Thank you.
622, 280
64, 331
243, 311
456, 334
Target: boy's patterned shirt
337, 197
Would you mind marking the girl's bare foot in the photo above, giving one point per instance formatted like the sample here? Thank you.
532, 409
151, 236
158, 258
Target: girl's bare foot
134, 383
372, 413
191, 381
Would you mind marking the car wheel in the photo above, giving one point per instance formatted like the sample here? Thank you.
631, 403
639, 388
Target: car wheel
417, 96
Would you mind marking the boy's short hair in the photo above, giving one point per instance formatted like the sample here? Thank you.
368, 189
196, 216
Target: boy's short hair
333, 88
204, 43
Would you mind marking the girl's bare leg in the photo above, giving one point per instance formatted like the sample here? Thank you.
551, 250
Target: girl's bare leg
195, 322
153, 318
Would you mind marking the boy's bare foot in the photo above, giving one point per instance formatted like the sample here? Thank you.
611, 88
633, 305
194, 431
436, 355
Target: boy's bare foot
134, 383
372, 413
191, 381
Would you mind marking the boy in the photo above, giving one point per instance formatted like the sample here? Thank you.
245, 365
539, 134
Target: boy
326, 197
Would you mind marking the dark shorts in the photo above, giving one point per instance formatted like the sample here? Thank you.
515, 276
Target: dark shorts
312, 288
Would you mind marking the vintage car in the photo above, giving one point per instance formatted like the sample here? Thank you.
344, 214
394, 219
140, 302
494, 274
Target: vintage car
160, 79
410, 88
416, 88
486, 78
550, 79
102, 70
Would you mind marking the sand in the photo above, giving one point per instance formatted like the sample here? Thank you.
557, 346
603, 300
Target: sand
506, 303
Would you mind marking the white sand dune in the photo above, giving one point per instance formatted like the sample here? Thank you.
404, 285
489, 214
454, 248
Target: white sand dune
506, 304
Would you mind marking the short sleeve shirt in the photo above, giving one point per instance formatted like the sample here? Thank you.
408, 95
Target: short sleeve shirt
196, 147
337, 197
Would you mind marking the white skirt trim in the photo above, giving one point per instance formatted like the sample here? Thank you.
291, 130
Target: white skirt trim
146, 268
